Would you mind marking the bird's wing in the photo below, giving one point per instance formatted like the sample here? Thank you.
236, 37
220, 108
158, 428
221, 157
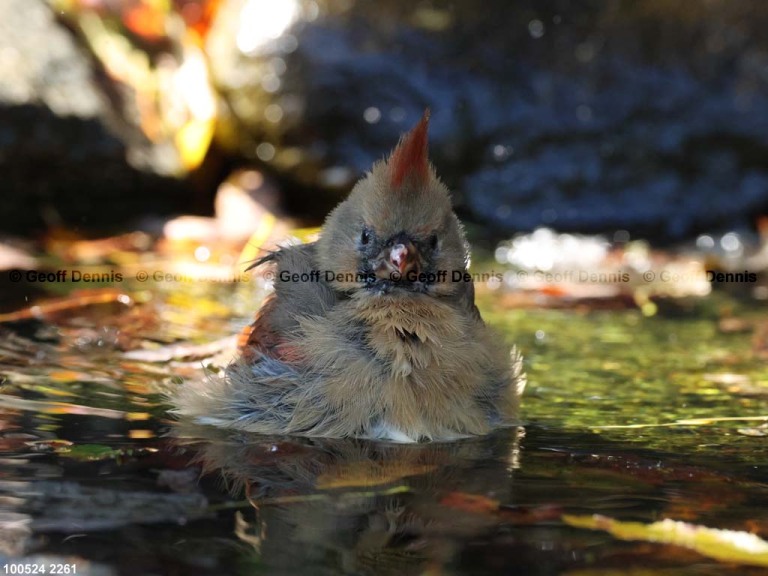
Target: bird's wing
300, 290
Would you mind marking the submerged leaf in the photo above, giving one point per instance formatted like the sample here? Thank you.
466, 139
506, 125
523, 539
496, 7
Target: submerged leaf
474, 503
88, 452
758, 431
371, 474
183, 351
58, 308
726, 545
48, 407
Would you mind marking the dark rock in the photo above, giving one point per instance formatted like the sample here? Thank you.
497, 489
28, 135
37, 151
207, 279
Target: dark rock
590, 116
63, 147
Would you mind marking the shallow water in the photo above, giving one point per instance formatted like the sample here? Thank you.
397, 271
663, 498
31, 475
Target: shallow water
93, 473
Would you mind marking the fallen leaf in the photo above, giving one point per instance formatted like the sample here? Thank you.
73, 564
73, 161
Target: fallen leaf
725, 545
761, 430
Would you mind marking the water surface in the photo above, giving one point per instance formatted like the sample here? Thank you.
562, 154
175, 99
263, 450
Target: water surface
626, 416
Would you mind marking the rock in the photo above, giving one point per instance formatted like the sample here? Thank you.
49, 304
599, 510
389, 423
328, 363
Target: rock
247, 209
63, 144
646, 117
184, 229
12, 256
244, 202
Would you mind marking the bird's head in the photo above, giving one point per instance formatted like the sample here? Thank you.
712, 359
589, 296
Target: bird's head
396, 232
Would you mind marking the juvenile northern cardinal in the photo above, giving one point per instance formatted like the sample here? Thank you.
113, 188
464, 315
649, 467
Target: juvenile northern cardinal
372, 331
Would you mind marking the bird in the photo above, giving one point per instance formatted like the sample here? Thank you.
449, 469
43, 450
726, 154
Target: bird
372, 330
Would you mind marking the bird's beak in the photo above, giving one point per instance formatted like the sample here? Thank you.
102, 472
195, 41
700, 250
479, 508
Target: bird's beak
398, 260
401, 256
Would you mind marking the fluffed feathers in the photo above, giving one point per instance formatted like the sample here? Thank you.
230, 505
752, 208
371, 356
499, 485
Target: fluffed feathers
363, 335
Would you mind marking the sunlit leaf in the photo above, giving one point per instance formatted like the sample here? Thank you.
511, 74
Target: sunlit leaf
254, 248
726, 545
306, 234
146, 19
193, 141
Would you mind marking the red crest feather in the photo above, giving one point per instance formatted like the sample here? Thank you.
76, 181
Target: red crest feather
410, 156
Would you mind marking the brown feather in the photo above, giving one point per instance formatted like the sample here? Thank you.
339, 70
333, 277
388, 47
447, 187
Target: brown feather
409, 159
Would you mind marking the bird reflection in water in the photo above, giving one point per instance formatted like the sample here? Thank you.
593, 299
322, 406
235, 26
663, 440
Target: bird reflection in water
355, 505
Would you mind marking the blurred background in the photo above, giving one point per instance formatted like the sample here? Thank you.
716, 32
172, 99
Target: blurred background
608, 138
649, 118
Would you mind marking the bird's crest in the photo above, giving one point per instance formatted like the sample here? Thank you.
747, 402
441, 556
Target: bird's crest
409, 159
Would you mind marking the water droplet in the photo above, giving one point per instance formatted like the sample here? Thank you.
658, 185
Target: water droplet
312, 11
202, 253
705, 242
278, 66
585, 52
273, 113
372, 115
503, 211
760, 293
730, 242
270, 83
649, 309
397, 114
288, 43
336, 177
536, 29
501, 152
251, 179
584, 113
265, 151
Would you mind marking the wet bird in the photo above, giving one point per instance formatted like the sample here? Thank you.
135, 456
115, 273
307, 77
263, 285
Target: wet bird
372, 331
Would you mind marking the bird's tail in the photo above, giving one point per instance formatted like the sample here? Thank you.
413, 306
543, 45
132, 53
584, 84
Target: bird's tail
255, 397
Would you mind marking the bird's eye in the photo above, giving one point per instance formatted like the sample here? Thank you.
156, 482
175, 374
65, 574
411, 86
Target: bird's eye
365, 237
433, 241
